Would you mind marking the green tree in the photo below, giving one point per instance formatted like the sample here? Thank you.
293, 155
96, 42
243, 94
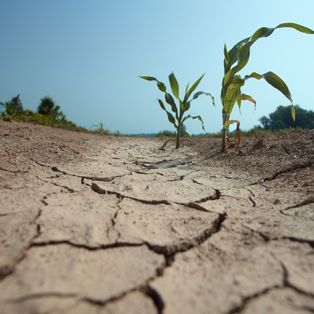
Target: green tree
48, 107
281, 119
13, 107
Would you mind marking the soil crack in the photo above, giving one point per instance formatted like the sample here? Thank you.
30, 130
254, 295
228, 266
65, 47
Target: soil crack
70, 190
194, 204
154, 295
287, 283
13, 171
86, 246
268, 238
307, 201
214, 197
171, 250
246, 300
92, 178
8, 269
96, 188
296, 166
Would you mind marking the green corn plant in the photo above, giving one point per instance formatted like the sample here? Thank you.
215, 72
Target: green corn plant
235, 60
178, 117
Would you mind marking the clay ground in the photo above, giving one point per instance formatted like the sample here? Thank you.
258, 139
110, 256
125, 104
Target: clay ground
92, 224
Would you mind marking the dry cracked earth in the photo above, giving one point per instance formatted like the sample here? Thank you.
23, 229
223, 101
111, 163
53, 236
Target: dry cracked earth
92, 224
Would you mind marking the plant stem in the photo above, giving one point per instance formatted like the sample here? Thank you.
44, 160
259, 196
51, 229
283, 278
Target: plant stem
225, 117
178, 137
238, 135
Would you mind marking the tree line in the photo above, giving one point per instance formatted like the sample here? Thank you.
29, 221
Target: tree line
47, 113
281, 119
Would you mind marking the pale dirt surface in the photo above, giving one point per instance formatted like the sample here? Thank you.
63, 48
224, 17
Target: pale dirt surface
92, 224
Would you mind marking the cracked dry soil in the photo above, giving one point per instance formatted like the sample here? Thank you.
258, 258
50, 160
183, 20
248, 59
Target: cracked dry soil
92, 224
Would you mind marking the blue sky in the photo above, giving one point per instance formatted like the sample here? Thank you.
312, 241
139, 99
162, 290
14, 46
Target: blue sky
87, 55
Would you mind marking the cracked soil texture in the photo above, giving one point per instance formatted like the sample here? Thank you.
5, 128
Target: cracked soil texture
92, 224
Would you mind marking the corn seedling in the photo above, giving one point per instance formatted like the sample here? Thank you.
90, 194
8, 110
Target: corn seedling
235, 60
178, 117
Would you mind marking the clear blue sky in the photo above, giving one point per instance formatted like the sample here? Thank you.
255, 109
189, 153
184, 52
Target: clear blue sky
88, 54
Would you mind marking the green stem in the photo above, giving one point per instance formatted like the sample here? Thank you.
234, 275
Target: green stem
225, 117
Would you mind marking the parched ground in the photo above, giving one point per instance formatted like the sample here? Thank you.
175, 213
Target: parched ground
92, 224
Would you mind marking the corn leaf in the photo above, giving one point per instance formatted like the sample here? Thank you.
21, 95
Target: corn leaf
195, 117
240, 53
169, 99
297, 27
234, 51
196, 95
293, 113
170, 116
182, 108
232, 94
187, 106
174, 85
274, 80
247, 97
230, 98
192, 88
148, 78
229, 122
243, 59
255, 75
187, 88
226, 53
262, 32
161, 86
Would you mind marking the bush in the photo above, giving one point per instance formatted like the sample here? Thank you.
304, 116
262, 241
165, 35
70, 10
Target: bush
281, 119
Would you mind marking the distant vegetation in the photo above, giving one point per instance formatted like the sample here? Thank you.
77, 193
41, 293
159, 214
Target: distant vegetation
167, 133
281, 119
48, 113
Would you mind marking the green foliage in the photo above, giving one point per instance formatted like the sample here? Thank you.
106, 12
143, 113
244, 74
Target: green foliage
281, 119
13, 110
235, 60
178, 108
48, 113
99, 129
12, 107
48, 107
166, 133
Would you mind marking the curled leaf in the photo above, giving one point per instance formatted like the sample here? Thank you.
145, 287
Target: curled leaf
229, 122
195, 117
161, 86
